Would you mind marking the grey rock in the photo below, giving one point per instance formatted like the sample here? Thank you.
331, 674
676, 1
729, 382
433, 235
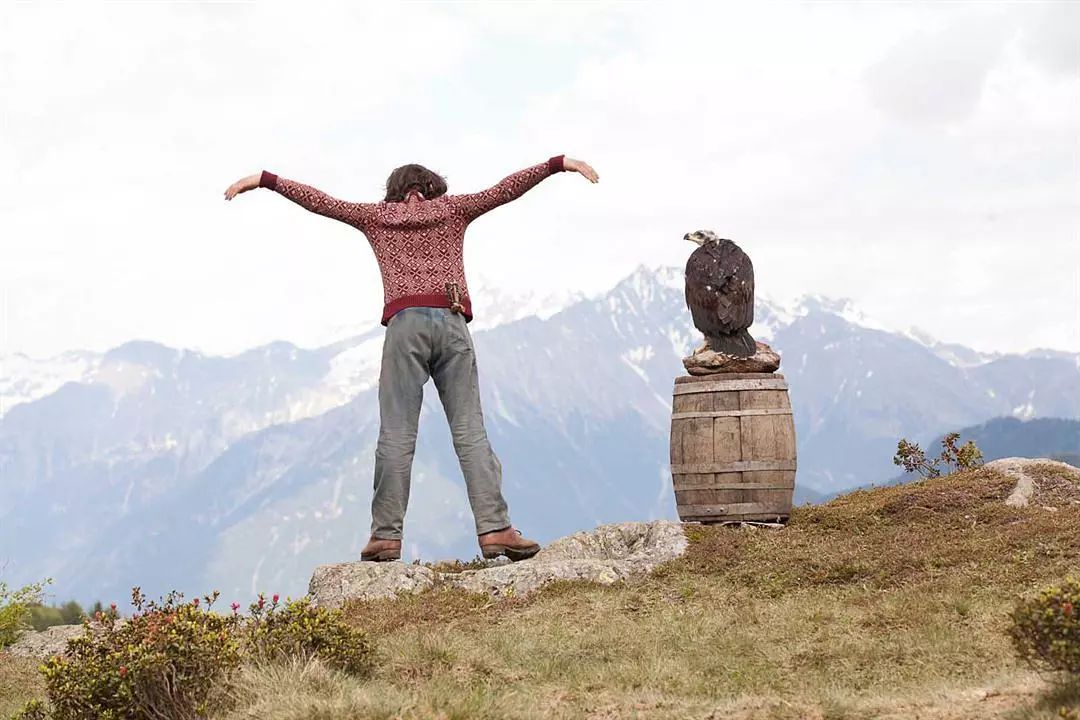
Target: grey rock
45, 644
605, 555
644, 545
524, 577
710, 362
332, 585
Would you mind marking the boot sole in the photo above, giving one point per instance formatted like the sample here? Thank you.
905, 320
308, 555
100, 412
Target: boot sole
381, 556
490, 552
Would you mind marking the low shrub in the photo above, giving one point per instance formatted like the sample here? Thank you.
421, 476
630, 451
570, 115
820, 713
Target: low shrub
1045, 629
177, 660
913, 458
297, 629
15, 610
171, 659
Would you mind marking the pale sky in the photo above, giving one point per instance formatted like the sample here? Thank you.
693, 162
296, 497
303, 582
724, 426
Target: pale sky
920, 159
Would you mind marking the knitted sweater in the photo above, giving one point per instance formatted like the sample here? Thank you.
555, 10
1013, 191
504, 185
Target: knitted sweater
417, 243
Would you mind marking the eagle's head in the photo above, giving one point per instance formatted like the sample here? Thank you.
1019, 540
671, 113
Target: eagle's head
702, 236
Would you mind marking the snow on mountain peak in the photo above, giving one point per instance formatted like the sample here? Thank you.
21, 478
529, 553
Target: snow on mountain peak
646, 283
920, 336
841, 307
495, 305
356, 368
952, 353
354, 360
25, 379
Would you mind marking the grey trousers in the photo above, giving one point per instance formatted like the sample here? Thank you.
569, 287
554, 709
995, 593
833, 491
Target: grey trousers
424, 342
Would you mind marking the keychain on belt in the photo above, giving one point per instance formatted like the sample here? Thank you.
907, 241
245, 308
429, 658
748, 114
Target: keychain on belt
453, 294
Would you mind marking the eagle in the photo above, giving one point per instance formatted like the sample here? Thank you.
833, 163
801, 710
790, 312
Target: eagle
720, 294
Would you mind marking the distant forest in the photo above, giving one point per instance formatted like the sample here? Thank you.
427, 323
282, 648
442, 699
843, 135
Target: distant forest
1009, 437
1004, 437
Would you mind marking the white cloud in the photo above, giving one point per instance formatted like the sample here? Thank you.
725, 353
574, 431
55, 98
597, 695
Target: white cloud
1050, 36
944, 202
937, 75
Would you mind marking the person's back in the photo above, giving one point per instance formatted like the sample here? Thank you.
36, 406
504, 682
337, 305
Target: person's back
418, 242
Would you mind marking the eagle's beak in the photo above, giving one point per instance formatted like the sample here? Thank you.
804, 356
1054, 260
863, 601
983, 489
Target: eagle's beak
687, 237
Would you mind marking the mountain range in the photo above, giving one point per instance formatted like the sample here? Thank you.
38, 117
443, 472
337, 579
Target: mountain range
166, 468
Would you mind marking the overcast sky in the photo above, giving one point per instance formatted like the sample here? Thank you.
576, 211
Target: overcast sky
920, 159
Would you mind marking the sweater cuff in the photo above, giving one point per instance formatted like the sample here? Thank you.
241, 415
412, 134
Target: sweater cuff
268, 180
555, 164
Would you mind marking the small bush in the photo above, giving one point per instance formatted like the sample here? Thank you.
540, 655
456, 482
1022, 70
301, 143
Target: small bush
15, 610
1045, 629
913, 459
169, 660
176, 660
299, 630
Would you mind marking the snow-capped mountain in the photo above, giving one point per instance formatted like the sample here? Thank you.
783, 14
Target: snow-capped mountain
168, 468
952, 353
25, 379
493, 305
354, 362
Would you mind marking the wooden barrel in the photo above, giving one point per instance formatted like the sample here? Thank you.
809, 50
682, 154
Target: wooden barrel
732, 447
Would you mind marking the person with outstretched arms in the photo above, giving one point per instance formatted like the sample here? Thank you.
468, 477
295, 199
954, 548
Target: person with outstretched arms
417, 232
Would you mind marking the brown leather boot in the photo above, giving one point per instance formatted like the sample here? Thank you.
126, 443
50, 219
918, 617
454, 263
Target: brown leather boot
508, 542
379, 550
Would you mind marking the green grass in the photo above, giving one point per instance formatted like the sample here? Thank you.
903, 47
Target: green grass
883, 603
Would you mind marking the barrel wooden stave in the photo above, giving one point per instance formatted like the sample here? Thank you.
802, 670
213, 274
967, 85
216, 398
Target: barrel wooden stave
739, 464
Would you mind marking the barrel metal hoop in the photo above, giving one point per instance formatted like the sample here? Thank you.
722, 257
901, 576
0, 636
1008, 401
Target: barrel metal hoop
735, 466
711, 510
730, 413
680, 488
704, 387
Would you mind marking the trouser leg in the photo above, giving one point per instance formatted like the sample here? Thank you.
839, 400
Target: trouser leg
455, 374
405, 369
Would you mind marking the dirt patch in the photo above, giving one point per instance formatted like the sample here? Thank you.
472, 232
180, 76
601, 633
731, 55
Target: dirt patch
20, 682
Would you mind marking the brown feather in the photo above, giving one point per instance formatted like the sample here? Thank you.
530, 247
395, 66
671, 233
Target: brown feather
720, 295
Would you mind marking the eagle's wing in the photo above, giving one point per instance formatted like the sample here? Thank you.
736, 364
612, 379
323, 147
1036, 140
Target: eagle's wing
720, 289
738, 291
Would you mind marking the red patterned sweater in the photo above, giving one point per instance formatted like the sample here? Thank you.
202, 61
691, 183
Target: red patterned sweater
417, 243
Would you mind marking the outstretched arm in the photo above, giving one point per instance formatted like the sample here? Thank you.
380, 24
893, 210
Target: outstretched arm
356, 214
514, 186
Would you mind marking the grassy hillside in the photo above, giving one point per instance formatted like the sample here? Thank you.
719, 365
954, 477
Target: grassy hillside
888, 602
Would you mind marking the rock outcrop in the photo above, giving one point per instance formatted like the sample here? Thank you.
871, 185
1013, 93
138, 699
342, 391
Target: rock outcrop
605, 555
1039, 481
709, 362
46, 643
332, 585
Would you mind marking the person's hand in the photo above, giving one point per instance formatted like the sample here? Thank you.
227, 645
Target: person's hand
242, 185
581, 167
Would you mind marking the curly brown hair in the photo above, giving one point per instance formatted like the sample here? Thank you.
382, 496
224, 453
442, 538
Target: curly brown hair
429, 183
